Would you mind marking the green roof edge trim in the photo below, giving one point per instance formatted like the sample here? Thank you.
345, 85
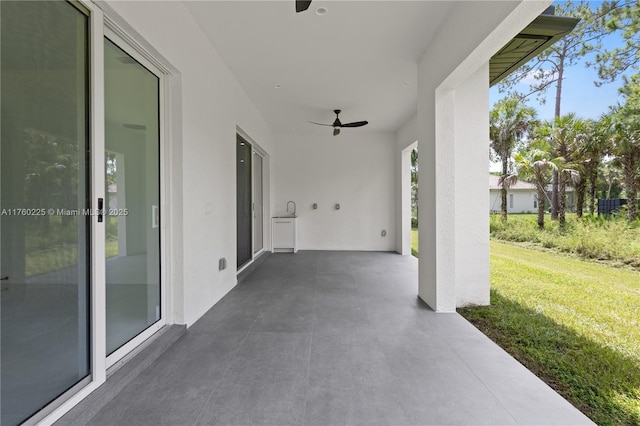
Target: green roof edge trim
549, 28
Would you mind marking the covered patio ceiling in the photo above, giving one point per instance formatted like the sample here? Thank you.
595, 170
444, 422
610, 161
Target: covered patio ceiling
359, 56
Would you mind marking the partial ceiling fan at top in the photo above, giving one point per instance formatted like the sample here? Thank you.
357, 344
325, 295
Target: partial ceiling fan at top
302, 5
337, 124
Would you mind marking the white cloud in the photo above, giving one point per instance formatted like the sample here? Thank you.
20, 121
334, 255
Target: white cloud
530, 77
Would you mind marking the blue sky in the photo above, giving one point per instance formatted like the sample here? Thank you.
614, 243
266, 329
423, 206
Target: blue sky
580, 95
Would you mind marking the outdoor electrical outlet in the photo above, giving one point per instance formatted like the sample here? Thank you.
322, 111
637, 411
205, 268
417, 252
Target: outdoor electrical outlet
337, 206
384, 232
222, 264
315, 206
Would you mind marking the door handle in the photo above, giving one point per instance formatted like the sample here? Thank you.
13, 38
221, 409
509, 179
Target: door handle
100, 209
4, 279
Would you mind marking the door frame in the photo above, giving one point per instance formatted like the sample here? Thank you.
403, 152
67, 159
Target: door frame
112, 35
257, 253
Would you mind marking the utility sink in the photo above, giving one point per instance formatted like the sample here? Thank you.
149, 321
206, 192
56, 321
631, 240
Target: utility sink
284, 234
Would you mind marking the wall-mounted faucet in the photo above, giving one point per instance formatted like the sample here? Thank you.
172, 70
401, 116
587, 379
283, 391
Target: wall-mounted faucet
294, 208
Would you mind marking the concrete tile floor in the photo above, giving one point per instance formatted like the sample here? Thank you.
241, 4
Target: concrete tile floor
333, 338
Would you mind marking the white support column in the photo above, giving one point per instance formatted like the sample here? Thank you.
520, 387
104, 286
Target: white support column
471, 189
453, 203
436, 196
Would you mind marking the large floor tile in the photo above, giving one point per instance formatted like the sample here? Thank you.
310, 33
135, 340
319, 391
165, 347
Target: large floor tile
350, 383
265, 383
521, 391
288, 312
155, 404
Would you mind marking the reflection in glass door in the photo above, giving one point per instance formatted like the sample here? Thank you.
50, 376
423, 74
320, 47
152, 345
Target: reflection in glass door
44, 233
133, 196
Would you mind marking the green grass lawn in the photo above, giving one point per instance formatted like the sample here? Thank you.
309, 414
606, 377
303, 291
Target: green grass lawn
414, 241
572, 322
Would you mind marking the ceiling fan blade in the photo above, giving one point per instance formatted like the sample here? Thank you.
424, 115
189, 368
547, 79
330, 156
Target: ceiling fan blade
302, 5
321, 124
356, 124
336, 131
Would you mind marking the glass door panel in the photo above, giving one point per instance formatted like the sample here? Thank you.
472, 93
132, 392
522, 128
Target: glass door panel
44, 190
258, 212
243, 201
133, 196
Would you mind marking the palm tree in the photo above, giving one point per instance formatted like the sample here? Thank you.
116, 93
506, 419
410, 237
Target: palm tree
564, 134
587, 157
592, 152
509, 122
626, 147
568, 175
535, 166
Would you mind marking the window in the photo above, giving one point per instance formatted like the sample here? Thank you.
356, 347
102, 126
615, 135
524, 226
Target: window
510, 201
535, 201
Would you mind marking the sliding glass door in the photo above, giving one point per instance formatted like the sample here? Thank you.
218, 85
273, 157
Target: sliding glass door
58, 293
249, 202
132, 143
44, 189
243, 202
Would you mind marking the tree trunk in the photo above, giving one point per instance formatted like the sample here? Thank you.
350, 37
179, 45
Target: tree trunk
581, 189
503, 196
541, 204
631, 190
562, 201
593, 182
554, 196
560, 75
554, 187
632, 200
503, 189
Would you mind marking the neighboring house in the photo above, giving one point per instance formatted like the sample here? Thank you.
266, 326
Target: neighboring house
521, 197
206, 106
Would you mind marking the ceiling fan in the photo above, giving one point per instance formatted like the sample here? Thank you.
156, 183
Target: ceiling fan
337, 124
302, 5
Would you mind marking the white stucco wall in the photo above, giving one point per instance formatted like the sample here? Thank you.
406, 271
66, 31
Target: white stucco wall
212, 104
354, 169
522, 201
